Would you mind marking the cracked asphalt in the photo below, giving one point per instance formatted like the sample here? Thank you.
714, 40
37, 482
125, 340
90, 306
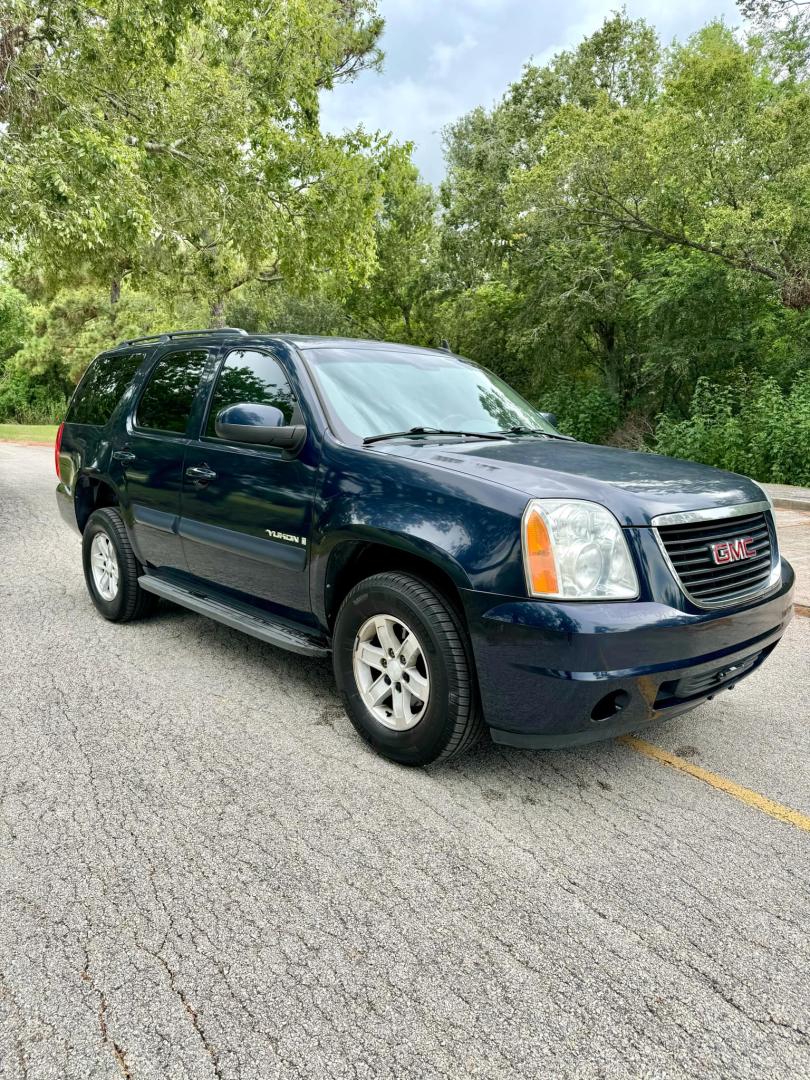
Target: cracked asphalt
204, 873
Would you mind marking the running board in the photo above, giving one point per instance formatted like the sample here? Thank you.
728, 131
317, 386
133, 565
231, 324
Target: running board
259, 626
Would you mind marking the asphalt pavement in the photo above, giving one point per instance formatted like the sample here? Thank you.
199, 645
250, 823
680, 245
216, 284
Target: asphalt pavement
204, 873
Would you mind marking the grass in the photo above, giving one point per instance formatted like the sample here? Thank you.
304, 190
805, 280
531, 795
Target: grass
42, 433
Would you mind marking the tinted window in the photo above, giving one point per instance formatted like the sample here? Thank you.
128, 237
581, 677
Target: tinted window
102, 387
166, 401
254, 378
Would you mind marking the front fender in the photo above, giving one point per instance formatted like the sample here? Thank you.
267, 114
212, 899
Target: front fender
466, 528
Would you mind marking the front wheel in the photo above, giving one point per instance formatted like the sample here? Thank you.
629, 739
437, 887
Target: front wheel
403, 668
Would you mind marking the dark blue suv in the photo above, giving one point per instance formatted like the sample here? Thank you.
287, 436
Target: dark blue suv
466, 565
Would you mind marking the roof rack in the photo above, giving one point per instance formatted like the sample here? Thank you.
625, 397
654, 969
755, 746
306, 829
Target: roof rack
208, 332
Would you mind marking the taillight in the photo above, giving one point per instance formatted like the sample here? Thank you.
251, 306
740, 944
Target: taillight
57, 447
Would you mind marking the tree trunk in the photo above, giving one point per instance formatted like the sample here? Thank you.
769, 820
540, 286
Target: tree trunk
115, 290
611, 359
218, 312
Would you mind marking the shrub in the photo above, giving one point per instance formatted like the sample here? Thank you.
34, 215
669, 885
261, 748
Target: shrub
34, 385
590, 415
752, 426
27, 398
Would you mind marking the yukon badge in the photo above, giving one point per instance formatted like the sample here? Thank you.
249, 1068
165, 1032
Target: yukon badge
729, 551
287, 538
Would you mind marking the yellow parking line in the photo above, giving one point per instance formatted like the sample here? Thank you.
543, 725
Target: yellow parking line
745, 795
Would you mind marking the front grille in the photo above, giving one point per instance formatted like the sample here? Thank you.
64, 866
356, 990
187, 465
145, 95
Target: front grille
689, 548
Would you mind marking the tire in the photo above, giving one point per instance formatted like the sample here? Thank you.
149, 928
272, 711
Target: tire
129, 601
450, 720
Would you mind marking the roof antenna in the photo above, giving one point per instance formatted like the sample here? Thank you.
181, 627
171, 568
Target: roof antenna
445, 345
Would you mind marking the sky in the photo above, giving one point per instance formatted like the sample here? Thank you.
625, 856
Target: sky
444, 57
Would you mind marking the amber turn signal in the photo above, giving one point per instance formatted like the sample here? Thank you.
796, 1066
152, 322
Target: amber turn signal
541, 566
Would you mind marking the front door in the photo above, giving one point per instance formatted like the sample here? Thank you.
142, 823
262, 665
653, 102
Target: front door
246, 510
150, 456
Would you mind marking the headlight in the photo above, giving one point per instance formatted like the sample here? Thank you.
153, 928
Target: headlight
575, 550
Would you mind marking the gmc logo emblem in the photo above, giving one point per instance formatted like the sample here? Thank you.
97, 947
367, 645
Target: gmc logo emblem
728, 551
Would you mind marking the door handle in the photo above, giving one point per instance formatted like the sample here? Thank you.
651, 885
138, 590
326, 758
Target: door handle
200, 474
126, 456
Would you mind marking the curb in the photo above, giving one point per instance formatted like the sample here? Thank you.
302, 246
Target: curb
792, 504
788, 497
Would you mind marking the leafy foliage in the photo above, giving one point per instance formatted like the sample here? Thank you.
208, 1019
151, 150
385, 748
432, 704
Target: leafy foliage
589, 413
396, 299
16, 321
754, 428
179, 142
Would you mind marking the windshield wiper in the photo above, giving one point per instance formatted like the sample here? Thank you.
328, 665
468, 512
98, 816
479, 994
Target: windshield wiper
536, 431
433, 431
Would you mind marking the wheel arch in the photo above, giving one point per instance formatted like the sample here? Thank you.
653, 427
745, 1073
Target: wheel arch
352, 560
92, 493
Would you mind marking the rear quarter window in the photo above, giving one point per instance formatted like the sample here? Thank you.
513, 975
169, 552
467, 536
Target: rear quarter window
102, 388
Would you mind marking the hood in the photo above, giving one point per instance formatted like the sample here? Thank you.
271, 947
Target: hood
634, 486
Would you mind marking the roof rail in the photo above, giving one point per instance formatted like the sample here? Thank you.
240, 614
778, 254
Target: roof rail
140, 340
170, 336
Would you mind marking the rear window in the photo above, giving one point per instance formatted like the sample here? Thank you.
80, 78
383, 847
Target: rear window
102, 387
169, 394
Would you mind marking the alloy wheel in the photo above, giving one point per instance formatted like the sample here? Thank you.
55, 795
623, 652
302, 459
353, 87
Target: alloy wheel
391, 672
104, 566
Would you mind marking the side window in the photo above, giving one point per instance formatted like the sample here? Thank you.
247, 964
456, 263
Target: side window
102, 387
252, 377
166, 402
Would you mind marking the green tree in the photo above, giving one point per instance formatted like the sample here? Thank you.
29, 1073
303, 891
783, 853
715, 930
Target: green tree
395, 300
717, 162
561, 292
16, 321
629, 220
179, 143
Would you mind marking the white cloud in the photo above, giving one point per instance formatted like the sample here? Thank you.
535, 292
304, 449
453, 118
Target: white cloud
445, 56
415, 111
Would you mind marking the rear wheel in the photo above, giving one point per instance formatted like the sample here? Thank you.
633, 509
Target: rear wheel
111, 569
403, 668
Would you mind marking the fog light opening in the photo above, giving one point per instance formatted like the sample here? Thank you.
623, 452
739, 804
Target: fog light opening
609, 705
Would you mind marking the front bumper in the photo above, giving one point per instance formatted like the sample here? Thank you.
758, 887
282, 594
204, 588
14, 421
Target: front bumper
560, 674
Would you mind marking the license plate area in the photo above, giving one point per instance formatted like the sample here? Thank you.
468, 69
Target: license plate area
703, 683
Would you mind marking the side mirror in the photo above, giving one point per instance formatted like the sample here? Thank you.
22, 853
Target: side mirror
550, 418
261, 425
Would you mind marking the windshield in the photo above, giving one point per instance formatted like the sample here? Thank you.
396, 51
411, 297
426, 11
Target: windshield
373, 392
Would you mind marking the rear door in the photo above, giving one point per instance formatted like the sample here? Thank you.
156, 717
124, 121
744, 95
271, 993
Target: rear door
88, 427
246, 510
150, 452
